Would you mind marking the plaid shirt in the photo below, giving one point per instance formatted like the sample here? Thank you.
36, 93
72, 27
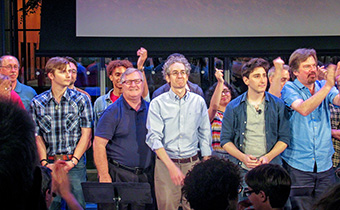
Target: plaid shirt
335, 124
60, 124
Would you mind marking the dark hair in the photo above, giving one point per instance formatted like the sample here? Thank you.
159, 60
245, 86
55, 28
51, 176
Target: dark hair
212, 184
330, 200
249, 67
18, 155
71, 60
209, 93
117, 63
273, 180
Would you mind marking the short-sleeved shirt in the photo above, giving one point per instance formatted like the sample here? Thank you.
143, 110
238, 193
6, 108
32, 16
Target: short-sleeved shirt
60, 123
125, 129
311, 135
26, 94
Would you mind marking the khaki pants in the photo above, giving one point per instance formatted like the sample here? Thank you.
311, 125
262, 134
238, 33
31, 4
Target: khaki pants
168, 195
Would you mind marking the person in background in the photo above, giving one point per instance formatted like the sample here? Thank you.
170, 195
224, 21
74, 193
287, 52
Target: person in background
74, 68
9, 66
115, 69
278, 75
218, 96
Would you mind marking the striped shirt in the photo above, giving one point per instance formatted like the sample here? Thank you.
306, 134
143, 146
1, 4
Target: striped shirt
216, 126
60, 123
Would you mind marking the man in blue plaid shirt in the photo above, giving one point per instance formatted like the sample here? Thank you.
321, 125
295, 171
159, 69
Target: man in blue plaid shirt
63, 119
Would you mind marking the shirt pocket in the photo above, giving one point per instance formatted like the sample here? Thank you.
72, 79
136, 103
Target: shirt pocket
72, 122
45, 123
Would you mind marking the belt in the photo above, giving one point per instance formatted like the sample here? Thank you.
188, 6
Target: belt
135, 170
186, 160
60, 157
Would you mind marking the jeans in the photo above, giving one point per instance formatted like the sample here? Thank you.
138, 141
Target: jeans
307, 187
76, 175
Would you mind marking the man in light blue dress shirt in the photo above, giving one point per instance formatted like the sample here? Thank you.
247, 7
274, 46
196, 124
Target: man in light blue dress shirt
9, 66
309, 157
177, 124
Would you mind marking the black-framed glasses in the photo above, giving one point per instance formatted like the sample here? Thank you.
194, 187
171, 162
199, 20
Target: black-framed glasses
247, 192
136, 81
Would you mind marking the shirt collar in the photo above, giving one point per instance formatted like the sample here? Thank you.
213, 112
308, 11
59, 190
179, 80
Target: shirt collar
18, 87
299, 84
244, 97
142, 105
175, 97
107, 96
66, 95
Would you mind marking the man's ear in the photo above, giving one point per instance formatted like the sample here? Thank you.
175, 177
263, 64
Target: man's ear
262, 196
167, 78
245, 80
50, 75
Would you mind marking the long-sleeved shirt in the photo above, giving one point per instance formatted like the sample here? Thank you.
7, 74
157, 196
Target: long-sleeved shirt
179, 125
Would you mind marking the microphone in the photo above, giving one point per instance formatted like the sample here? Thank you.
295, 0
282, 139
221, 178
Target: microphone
259, 111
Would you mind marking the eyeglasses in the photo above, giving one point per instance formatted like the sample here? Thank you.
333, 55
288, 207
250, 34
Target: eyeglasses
247, 192
9, 67
225, 91
176, 73
136, 81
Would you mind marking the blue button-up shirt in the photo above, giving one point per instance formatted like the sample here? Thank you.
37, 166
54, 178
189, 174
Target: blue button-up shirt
26, 94
60, 123
276, 124
311, 134
125, 129
179, 125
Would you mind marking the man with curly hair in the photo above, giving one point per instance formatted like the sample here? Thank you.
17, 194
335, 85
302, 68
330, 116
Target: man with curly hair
212, 184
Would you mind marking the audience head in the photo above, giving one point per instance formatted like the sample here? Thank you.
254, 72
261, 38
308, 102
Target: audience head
115, 69
9, 66
175, 58
18, 155
228, 90
46, 185
330, 200
285, 75
212, 184
269, 185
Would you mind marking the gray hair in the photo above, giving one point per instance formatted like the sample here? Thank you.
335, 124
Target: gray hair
175, 58
272, 70
128, 72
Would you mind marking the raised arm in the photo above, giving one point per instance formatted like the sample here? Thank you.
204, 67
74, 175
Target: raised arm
275, 86
216, 97
143, 55
308, 106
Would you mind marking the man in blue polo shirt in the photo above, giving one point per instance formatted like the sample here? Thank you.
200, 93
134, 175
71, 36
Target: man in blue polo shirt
309, 157
119, 148
9, 66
